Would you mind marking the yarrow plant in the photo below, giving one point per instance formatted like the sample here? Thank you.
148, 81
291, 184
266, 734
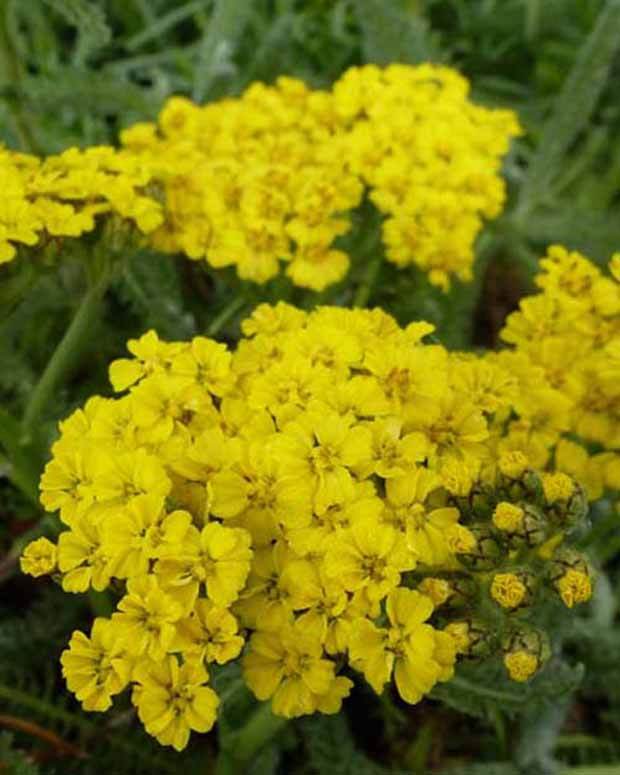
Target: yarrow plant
334, 497
275, 175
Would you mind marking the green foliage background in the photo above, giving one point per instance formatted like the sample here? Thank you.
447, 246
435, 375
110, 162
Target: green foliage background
74, 72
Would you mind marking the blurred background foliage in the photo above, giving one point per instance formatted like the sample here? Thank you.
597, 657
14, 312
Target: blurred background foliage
75, 72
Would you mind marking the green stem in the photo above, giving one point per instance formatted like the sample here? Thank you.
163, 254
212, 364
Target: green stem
225, 315
45, 709
64, 356
22, 473
364, 290
242, 746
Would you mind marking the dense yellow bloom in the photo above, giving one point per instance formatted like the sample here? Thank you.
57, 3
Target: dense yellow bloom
61, 196
566, 357
272, 177
289, 493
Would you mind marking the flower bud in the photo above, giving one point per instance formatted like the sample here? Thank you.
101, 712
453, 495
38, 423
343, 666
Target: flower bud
557, 487
525, 651
512, 590
521, 665
39, 558
486, 554
508, 517
439, 590
472, 638
574, 587
571, 577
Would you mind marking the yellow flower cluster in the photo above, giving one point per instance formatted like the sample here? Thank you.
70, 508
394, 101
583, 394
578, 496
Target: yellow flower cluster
566, 356
61, 196
272, 176
276, 500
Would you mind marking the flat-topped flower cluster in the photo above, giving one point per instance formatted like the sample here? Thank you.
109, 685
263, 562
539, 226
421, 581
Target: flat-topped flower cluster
565, 354
275, 175
42, 200
331, 493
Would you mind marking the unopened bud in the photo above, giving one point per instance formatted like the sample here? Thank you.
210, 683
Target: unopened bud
521, 665
508, 517
525, 651
487, 552
439, 590
512, 590
571, 576
557, 487
574, 587
471, 638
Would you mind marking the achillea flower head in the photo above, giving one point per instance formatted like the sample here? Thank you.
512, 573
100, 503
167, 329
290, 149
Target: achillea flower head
269, 181
284, 499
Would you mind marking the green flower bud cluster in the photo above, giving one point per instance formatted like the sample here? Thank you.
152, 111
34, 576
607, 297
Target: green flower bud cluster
522, 560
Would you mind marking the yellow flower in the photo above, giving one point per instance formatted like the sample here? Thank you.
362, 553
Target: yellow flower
174, 700
460, 634
82, 558
289, 666
98, 667
418, 655
216, 558
324, 453
151, 355
146, 618
138, 534
39, 557
209, 635
427, 529
369, 555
